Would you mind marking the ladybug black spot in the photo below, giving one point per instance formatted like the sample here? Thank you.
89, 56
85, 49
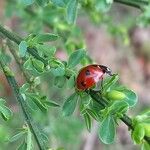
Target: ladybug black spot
83, 83
87, 72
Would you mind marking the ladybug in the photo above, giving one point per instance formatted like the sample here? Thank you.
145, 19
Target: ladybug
90, 75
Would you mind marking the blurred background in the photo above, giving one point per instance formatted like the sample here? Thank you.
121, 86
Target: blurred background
118, 38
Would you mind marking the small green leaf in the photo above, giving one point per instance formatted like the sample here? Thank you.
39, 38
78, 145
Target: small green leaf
5, 111
52, 103
29, 139
47, 37
145, 146
119, 107
110, 82
70, 104
138, 133
92, 113
37, 100
28, 64
17, 136
46, 50
27, 2
72, 11
23, 146
76, 57
60, 3
131, 98
107, 130
87, 121
24, 88
71, 82
60, 81
57, 72
23, 48
39, 65
41, 2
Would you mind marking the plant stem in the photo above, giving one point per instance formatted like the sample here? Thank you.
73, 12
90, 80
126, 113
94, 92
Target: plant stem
13, 84
127, 120
133, 3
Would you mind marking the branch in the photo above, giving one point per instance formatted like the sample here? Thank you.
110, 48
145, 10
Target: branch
134, 3
127, 120
13, 84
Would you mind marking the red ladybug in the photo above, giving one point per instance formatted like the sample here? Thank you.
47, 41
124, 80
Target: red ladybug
90, 75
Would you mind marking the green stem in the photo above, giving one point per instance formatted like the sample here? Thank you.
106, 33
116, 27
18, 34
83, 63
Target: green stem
133, 3
127, 120
13, 84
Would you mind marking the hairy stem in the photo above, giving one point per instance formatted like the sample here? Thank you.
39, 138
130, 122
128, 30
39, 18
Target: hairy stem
13, 84
127, 120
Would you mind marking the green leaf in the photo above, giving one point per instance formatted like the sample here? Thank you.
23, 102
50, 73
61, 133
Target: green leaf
28, 64
76, 57
72, 11
87, 121
103, 5
5, 111
138, 133
39, 65
145, 146
60, 3
52, 103
37, 100
27, 2
17, 136
92, 113
60, 81
46, 50
41, 2
47, 37
23, 146
29, 139
71, 82
119, 107
131, 98
23, 48
24, 88
58, 72
110, 82
107, 130
70, 104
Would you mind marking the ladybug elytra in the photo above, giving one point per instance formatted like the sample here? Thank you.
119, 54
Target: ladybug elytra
90, 75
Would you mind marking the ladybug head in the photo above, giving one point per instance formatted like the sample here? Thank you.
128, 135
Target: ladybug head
106, 70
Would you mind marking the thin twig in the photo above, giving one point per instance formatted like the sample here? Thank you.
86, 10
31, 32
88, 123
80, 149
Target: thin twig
13, 84
134, 3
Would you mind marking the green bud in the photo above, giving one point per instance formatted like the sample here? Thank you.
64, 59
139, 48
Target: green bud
115, 95
8, 72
